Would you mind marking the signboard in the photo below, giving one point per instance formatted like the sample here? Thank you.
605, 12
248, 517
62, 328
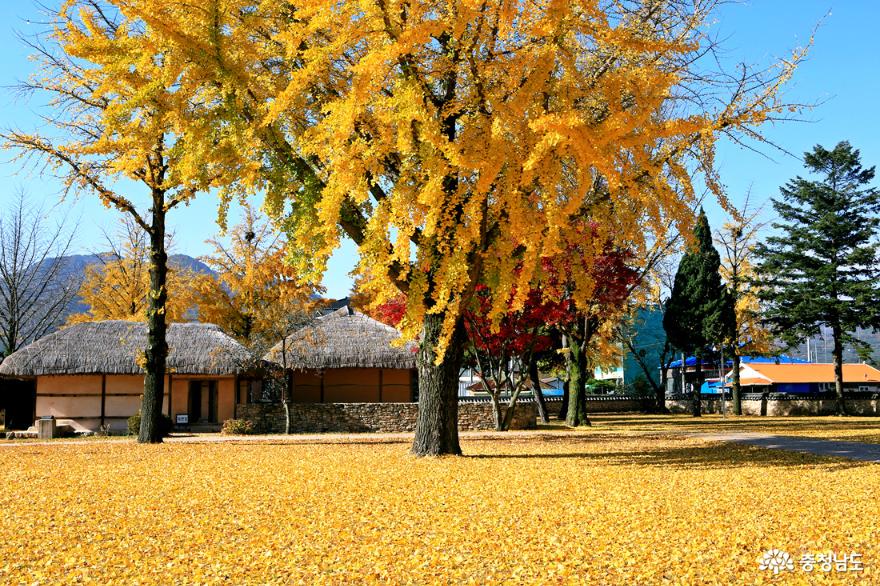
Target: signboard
181, 419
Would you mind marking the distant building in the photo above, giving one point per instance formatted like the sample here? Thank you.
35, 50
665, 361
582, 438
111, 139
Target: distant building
712, 371
90, 374
347, 357
648, 339
609, 373
806, 378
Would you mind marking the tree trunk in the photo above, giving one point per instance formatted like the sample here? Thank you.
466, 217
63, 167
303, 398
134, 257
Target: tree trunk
287, 387
437, 423
511, 409
737, 397
696, 409
157, 346
577, 385
566, 395
660, 398
838, 370
536, 388
660, 390
497, 415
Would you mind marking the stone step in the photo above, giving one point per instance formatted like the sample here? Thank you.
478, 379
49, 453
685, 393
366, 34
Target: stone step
21, 434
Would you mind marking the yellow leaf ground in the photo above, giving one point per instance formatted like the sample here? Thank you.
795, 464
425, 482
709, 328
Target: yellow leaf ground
632, 501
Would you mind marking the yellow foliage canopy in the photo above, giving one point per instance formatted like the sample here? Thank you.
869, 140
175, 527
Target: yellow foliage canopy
738, 238
118, 287
115, 114
453, 141
255, 290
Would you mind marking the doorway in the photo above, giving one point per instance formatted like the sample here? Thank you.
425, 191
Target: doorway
202, 406
19, 399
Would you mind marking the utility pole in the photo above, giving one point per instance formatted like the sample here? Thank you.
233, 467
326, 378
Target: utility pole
683, 379
723, 377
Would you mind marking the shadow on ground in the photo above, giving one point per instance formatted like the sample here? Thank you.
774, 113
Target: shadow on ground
673, 423
691, 457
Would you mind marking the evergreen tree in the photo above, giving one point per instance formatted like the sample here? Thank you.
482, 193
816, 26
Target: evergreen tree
700, 310
822, 267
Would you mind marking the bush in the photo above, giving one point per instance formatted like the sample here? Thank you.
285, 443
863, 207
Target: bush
601, 387
238, 427
642, 387
134, 424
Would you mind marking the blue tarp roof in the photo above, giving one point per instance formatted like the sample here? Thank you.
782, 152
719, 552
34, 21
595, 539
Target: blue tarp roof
692, 361
713, 387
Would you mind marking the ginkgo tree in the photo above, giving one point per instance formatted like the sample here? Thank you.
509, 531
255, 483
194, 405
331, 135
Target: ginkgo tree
455, 140
116, 123
118, 285
737, 239
251, 278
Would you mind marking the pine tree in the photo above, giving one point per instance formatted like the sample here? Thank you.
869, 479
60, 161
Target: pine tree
822, 267
700, 310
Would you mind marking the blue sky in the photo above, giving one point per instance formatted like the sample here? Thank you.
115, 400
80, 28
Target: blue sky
841, 73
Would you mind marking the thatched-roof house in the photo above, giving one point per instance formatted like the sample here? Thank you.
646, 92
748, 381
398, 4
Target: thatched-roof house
347, 357
90, 372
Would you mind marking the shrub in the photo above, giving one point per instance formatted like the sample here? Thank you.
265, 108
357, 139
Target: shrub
642, 387
601, 387
238, 427
134, 424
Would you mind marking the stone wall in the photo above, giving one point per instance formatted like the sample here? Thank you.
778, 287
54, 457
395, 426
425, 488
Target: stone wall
370, 417
603, 404
773, 407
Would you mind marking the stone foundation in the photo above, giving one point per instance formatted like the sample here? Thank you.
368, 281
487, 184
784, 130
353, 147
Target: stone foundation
370, 417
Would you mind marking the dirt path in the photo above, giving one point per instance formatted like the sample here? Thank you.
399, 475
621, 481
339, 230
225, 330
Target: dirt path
821, 447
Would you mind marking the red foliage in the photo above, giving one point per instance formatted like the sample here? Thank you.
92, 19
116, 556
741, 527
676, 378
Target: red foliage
528, 329
390, 312
519, 331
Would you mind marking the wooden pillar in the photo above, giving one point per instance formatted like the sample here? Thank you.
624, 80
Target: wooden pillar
235, 392
170, 392
322, 385
103, 398
290, 385
381, 370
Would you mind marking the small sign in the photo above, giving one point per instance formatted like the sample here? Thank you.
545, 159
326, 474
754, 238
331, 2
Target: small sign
182, 419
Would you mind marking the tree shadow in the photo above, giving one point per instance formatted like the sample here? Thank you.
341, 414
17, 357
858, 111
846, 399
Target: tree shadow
700, 457
673, 423
867, 438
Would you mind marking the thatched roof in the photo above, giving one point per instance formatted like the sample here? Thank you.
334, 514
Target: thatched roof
344, 339
114, 347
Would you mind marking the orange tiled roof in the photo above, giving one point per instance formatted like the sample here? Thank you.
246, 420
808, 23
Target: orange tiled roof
811, 373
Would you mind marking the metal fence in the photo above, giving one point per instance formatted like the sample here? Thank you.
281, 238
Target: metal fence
557, 398
829, 396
